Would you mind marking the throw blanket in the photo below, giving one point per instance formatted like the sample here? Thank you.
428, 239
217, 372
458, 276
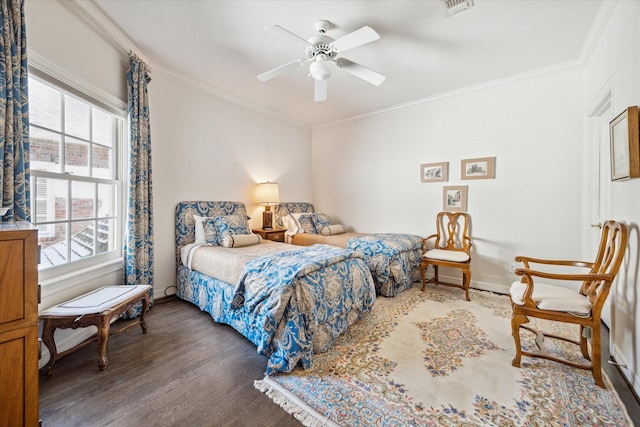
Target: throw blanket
288, 301
391, 258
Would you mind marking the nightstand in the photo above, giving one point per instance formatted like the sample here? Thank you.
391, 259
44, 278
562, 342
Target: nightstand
275, 235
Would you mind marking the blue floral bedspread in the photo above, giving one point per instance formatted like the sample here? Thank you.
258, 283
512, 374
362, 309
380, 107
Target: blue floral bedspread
289, 304
394, 260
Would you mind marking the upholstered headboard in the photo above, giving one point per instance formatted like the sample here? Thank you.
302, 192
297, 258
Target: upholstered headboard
185, 224
285, 208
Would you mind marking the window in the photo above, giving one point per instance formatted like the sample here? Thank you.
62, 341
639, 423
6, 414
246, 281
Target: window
76, 189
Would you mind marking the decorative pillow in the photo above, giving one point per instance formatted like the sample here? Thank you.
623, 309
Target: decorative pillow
200, 237
331, 230
221, 226
306, 223
320, 221
240, 240
211, 232
291, 223
232, 224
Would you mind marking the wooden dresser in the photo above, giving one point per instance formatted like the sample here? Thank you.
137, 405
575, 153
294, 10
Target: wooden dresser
18, 324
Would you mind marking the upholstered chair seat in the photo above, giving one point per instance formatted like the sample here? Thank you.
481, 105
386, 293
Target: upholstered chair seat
446, 255
553, 298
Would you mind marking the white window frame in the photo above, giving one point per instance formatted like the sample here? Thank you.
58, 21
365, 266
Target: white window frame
96, 265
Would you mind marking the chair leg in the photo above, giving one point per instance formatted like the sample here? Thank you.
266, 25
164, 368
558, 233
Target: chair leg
423, 268
516, 321
466, 280
596, 355
584, 344
435, 274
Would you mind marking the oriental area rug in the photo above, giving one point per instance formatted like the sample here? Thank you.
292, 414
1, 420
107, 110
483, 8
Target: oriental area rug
433, 359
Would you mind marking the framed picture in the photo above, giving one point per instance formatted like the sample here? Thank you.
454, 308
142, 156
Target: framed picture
434, 172
625, 145
454, 198
482, 168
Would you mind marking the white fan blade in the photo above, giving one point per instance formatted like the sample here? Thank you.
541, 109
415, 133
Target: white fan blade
277, 29
319, 90
279, 70
357, 38
360, 71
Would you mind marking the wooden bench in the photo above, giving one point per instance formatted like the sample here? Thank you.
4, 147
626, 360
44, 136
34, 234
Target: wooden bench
96, 308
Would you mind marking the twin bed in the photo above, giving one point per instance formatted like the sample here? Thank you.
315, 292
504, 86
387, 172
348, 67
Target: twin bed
290, 301
393, 259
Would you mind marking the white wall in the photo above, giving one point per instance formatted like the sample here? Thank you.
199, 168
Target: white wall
206, 148
616, 56
366, 172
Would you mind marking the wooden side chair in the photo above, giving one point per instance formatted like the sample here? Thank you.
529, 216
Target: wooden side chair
582, 307
451, 248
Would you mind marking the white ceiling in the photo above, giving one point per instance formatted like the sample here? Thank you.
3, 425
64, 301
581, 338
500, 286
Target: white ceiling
223, 45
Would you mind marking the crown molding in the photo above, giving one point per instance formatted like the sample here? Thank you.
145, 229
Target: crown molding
92, 14
593, 36
228, 96
597, 28
420, 101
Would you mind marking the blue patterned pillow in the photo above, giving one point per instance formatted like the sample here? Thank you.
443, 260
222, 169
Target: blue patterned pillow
226, 226
211, 232
306, 223
320, 221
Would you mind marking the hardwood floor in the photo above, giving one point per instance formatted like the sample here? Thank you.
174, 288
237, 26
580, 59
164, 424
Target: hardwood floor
187, 370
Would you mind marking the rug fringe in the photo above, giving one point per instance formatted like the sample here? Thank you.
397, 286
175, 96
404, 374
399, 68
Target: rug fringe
308, 416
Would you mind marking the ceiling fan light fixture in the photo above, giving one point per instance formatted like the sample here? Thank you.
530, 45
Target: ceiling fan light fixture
320, 69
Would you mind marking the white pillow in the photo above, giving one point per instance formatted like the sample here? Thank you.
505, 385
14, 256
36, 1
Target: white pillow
199, 229
291, 222
239, 240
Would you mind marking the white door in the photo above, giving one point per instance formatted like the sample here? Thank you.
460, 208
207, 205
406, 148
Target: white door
603, 199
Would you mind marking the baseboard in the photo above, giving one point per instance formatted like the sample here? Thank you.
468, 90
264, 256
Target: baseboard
482, 286
628, 373
66, 339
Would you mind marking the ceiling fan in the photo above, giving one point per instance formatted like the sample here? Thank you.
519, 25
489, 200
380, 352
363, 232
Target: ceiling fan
321, 51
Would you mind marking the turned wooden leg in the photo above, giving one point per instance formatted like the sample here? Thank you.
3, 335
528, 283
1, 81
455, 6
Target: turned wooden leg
435, 273
516, 321
596, 355
466, 280
47, 339
423, 272
104, 325
145, 308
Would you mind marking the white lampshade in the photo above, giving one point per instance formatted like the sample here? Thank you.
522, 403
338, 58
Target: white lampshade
268, 192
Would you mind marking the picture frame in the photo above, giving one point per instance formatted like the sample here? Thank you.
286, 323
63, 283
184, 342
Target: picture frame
480, 168
454, 198
624, 142
434, 172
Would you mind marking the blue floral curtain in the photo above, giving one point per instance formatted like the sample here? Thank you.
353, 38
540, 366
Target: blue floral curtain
139, 230
14, 113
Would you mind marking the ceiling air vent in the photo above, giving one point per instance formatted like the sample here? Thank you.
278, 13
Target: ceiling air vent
454, 6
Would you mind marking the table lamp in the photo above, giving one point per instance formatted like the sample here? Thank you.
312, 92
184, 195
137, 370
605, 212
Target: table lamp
268, 193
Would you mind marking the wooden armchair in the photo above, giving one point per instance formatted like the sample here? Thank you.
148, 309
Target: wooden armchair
451, 248
582, 307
